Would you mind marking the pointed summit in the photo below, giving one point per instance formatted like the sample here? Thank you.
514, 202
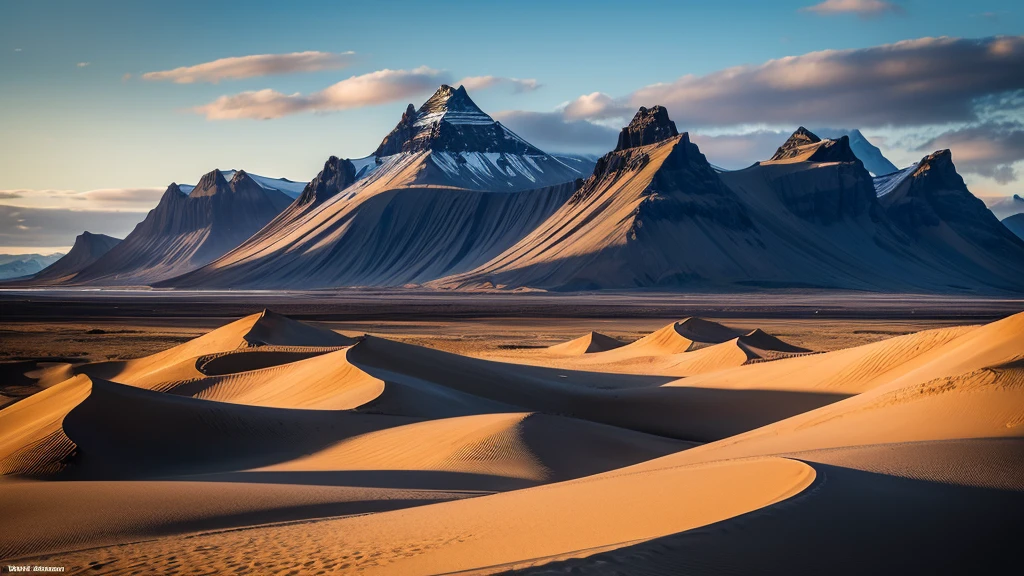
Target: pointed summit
450, 121
802, 137
88, 248
337, 175
647, 127
211, 183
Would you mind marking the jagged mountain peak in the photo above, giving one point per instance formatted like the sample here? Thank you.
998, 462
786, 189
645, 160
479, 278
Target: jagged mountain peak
649, 126
211, 183
790, 148
450, 121
338, 174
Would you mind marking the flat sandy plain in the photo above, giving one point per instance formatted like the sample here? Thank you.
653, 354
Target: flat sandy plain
419, 433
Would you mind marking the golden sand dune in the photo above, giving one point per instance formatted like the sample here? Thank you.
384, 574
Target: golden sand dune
492, 532
324, 382
685, 348
58, 516
635, 402
531, 447
917, 437
180, 363
586, 344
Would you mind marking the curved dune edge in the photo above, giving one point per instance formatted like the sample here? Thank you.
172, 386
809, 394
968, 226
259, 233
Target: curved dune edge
689, 347
179, 363
323, 382
491, 533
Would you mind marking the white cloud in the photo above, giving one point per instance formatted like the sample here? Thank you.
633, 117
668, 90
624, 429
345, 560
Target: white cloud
909, 83
121, 199
254, 65
82, 64
862, 8
355, 92
517, 85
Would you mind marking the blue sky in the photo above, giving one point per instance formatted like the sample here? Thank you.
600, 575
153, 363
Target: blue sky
74, 121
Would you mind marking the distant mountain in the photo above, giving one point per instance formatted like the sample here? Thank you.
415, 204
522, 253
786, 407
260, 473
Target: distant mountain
288, 187
18, 265
1015, 224
186, 231
655, 214
933, 206
868, 153
1003, 208
446, 190
582, 163
88, 249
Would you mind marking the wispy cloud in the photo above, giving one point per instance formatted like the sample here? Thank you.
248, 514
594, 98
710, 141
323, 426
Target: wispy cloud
121, 199
915, 82
17, 49
862, 8
82, 64
988, 149
355, 92
517, 85
28, 227
239, 67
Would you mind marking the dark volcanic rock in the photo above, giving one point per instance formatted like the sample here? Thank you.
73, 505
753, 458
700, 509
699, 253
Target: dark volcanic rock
801, 137
647, 127
935, 194
338, 174
450, 121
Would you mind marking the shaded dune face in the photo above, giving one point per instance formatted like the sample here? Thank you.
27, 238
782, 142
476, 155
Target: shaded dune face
284, 442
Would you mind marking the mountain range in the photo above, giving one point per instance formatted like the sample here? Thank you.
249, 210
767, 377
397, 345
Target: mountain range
18, 265
451, 199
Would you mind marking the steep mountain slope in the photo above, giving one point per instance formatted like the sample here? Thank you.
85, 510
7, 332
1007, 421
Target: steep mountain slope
88, 248
868, 153
1015, 224
933, 206
186, 231
656, 214
444, 193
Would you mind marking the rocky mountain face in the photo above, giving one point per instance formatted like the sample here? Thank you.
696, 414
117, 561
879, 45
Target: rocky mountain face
934, 194
790, 148
873, 159
338, 174
88, 248
185, 231
818, 180
942, 219
450, 121
651, 215
647, 127
454, 143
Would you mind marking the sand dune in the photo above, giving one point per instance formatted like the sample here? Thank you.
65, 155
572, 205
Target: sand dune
449, 463
493, 532
689, 347
180, 363
586, 344
323, 382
